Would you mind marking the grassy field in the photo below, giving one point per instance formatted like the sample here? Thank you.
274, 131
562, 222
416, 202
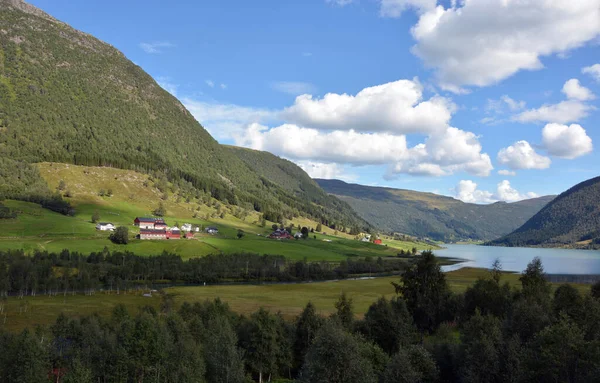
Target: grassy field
134, 195
290, 299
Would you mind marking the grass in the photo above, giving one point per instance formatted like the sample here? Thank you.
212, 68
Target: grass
290, 299
135, 195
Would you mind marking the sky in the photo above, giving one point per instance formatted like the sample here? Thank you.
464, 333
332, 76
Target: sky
482, 100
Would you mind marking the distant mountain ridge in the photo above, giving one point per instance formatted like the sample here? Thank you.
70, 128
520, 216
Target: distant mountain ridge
430, 215
571, 219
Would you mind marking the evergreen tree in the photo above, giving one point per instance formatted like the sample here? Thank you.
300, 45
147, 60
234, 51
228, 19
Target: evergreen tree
95, 217
223, 359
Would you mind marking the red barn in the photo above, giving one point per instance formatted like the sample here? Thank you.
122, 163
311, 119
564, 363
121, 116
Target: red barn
152, 234
189, 235
377, 242
173, 234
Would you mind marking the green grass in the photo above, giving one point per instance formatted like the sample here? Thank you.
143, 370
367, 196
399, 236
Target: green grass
290, 299
135, 195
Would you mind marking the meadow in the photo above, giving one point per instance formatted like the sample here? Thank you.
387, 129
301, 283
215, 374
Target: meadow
134, 194
289, 299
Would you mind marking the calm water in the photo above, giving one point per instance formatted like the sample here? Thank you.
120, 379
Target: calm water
556, 261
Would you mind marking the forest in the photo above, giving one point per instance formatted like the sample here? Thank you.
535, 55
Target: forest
426, 333
71, 272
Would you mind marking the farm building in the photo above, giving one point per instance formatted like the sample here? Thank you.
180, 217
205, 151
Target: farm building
280, 234
377, 242
212, 230
189, 235
153, 234
105, 226
186, 227
174, 233
150, 223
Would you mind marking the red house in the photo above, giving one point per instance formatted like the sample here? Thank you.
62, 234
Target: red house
152, 234
377, 242
189, 235
173, 234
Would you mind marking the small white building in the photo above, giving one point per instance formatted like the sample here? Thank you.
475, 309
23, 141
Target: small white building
187, 227
298, 235
212, 230
105, 226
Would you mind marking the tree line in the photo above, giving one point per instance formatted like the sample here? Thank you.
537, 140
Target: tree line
426, 333
72, 272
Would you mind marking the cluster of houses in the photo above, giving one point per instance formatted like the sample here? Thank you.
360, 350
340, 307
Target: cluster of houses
367, 238
156, 228
284, 234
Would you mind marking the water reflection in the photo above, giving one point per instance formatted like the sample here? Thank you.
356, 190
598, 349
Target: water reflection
556, 261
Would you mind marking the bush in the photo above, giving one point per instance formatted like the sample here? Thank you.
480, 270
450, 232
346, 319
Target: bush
95, 217
240, 234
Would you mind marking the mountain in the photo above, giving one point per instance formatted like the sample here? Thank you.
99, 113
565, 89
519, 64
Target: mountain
68, 97
431, 215
572, 218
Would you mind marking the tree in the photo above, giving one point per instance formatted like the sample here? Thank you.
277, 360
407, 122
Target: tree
304, 232
308, 324
160, 211
336, 357
595, 291
533, 280
425, 290
568, 300
240, 233
389, 325
411, 365
95, 217
224, 362
481, 341
62, 185
274, 227
319, 228
120, 236
344, 314
109, 192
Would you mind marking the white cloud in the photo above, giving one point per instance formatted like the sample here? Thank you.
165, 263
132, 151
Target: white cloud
327, 171
293, 87
210, 83
223, 86
505, 172
467, 191
156, 47
224, 121
575, 91
563, 112
513, 104
394, 8
167, 84
448, 153
341, 3
396, 107
521, 155
483, 42
566, 141
593, 70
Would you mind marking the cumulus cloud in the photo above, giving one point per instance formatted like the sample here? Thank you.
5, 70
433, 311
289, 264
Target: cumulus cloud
396, 107
575, 91
340, 3
566, 141
326, 171
482, 42
224, 121
593, 70
210, 83
513, 104
293, 87
155, 47
563, 112
467, 191
521, 155
453, 151
505, 172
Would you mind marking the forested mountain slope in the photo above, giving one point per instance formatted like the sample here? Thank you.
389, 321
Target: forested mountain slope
573, 217
431, 215
66, 96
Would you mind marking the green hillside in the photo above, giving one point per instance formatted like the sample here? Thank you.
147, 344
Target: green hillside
68, 97
572, 219
431, 215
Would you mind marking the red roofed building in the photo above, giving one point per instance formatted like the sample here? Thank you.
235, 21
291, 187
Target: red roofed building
153, 234
189, 235
173, 234
377, 242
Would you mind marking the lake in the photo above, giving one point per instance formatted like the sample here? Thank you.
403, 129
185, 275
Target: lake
556, 261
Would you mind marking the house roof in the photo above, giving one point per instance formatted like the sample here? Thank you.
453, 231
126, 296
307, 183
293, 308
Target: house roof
104, 223
147, 219
212, 228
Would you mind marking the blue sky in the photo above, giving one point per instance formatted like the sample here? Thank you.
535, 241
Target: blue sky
403, 93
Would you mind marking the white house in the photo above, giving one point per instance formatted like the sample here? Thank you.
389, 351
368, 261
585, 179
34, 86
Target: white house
212, 230
187, 227
105, 226
298, 235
